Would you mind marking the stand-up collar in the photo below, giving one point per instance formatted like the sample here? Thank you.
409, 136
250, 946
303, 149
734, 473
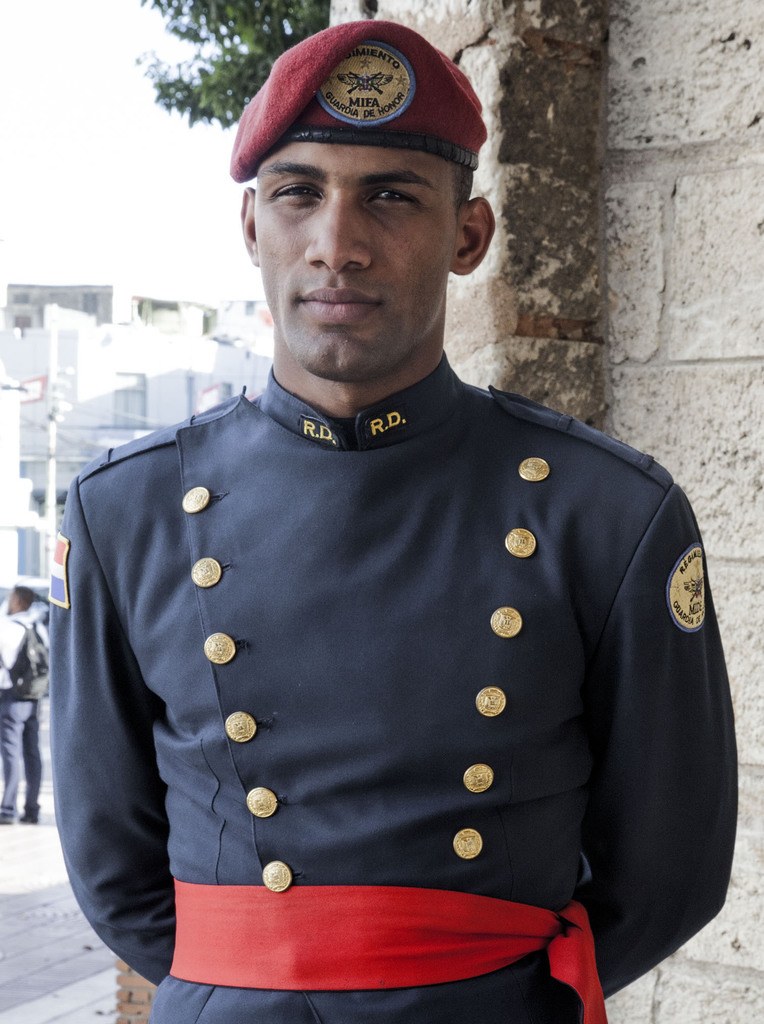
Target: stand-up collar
397, 418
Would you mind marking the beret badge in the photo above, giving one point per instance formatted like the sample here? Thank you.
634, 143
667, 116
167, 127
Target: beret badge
373, 85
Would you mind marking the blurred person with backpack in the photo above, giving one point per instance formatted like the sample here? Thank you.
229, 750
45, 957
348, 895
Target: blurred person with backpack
23, 682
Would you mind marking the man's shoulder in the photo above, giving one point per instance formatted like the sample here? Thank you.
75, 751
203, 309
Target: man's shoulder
154, 443
581, 443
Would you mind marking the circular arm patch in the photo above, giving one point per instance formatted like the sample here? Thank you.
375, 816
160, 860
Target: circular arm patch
685, 590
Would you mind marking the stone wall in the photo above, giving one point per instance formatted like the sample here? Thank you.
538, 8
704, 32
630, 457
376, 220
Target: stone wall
685, 272
530, 319
681, 163
134, 996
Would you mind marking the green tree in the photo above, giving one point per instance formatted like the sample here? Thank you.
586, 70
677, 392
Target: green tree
234, 42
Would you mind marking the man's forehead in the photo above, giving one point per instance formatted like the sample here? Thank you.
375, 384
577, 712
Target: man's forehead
356, 164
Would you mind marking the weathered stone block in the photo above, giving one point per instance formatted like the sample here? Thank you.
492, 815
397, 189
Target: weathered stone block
684, 72
551, 91
716, 265
738, 591
481, 313
565, 375
552, 231
580, 22
635, 276
450, 25
694, 994
735, 938
704, 424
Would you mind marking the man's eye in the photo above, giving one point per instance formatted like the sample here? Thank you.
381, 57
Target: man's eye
296, 191
391, 195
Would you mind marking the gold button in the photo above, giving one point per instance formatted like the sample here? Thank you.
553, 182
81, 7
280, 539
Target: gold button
520, 543
220, 648
506, 622
478, 778
277, 876
468, 843
206, 572
491, 701
196, 499
262, 802
240, 727
534, 469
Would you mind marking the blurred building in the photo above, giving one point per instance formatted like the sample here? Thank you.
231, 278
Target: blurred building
25, 303
91, 384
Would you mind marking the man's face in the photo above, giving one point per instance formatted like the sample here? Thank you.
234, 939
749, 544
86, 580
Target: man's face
355, 244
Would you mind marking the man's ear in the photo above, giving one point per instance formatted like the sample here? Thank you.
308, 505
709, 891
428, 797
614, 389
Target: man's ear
248, 224
475, 231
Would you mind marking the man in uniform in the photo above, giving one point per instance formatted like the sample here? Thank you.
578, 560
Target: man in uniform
383, 698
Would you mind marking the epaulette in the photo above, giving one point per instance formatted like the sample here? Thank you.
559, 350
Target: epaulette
156, 439
525, 409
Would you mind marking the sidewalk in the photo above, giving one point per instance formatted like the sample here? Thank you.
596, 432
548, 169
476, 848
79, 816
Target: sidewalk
53, 968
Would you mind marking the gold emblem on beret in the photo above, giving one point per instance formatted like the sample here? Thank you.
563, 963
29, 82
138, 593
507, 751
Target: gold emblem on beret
685, 590
374, 84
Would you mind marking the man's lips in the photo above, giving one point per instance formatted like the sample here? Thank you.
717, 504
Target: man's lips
339, 305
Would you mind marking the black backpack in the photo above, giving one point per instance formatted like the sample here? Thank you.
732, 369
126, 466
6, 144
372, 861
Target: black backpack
29, 673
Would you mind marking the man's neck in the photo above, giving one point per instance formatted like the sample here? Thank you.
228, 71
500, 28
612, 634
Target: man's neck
345, 399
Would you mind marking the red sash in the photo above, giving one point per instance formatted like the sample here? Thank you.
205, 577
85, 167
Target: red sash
341, 937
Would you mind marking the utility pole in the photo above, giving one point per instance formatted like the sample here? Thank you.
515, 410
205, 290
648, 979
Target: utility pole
51, 523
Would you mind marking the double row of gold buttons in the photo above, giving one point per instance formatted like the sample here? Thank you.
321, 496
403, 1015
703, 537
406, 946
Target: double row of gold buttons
240, 726
506, 622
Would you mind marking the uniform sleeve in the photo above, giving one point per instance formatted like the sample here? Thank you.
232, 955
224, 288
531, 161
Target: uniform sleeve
109, 797
660, 825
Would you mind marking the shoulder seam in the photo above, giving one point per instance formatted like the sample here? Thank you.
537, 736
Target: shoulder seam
628, 566
524, 409
106, 460
166, 437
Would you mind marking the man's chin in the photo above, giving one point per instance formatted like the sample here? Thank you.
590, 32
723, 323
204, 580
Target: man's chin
345, 359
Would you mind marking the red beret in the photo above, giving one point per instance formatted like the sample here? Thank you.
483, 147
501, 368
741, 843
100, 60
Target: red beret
369, 83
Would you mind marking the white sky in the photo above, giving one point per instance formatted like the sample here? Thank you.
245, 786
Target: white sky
98, 185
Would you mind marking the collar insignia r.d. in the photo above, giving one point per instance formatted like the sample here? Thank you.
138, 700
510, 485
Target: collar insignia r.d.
379, 423
317, 431
685, 590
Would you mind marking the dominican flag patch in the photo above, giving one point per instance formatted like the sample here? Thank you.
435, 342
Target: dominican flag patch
59, 581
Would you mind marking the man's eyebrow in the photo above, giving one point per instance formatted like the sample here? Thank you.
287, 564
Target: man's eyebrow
289, 167
394, 176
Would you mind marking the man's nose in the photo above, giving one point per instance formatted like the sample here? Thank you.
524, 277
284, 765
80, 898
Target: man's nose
338, 237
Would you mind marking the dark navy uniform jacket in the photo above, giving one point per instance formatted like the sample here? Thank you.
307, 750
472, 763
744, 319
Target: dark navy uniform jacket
360, 580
